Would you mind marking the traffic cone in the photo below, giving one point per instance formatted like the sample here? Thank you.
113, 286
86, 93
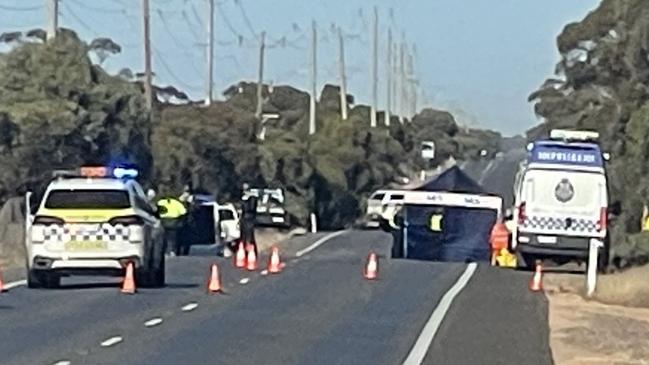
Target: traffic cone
372, 267
128, 286
214, 284
240, 257
2, 284
274, 264
251, 261
536, 284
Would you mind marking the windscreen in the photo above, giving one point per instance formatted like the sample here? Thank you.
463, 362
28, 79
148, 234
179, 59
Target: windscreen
226, 215
87, 199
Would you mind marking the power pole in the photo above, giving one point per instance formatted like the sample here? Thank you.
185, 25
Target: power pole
148, 88
314, 75
375, 68
395, 78
388, 108
413, 82
210, 52
343, 77
260, 79
402, 81
52, 8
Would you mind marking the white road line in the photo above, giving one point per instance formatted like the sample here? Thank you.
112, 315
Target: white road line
419, 350
319, 242
244, 281
112, 341
15, 284
62, 362
153, 322
264, 272
189, 307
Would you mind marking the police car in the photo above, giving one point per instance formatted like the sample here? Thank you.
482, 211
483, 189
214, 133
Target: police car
94, 221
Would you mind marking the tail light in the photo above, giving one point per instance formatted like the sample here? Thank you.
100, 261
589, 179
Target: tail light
128, 220
47, 220
602, 223
521, 213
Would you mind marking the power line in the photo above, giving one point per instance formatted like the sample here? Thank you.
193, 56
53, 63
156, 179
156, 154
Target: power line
246, 20
78, 19
171, 74
96, 8
21, 8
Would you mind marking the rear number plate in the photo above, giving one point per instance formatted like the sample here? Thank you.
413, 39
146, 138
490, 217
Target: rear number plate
547, 239
86, 245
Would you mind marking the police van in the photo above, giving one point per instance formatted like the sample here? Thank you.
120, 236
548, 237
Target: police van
94, 221
561, 199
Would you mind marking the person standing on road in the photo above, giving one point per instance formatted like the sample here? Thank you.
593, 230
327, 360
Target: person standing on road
172, 217
248, 217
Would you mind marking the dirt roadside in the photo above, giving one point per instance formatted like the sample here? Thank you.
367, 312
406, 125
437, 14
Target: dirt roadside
585, 332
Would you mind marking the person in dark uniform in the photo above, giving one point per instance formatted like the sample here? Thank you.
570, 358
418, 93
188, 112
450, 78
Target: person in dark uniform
248, 217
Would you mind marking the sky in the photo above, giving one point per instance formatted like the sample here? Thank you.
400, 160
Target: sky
480, 59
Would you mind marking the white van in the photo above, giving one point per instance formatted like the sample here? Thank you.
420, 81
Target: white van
561, 200
382, 204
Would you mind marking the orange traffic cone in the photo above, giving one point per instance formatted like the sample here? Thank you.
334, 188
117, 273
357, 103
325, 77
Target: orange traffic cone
251, 262
274, 264
240, 257
372, 267
128, 287
214, 284
536, 284
2, 284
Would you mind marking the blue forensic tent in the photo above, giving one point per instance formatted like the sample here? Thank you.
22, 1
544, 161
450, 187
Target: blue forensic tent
448, 218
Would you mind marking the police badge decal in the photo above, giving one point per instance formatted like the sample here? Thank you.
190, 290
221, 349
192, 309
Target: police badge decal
564, 191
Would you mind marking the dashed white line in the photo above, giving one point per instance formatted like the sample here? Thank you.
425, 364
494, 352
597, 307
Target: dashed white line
419, 350
263, 272
189, 307
319, 242
244, 281
62, 362
153, 322
111, 341
14, 284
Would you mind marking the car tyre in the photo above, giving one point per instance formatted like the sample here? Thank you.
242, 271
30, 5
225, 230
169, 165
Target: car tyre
525, 261
34, 280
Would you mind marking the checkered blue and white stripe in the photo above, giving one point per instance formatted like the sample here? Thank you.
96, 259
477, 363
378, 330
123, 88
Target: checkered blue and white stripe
559, 224
70, 232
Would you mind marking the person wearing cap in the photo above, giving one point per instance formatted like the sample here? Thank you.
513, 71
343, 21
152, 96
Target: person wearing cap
172, 216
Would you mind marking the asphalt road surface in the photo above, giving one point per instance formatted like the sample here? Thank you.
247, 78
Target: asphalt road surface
319, 310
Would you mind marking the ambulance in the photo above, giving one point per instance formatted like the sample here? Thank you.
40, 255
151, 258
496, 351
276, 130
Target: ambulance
561, 199
94, 221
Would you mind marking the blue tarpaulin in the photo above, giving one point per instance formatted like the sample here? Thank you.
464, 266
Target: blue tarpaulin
447, 233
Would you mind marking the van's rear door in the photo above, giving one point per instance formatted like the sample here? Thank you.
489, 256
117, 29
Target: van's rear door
559, 202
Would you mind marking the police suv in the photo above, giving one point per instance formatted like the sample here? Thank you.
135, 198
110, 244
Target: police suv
561, 199
95, 221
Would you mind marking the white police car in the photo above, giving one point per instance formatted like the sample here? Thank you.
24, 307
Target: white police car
95, 221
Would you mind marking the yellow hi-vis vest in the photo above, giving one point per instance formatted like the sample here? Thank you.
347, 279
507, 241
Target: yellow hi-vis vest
174, 208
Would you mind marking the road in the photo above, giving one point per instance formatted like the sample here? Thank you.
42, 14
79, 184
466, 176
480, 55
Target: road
319, 310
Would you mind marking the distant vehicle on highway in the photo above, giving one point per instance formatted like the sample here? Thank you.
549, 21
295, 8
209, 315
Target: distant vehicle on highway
94, 221
270, 207
382, 204
561, 199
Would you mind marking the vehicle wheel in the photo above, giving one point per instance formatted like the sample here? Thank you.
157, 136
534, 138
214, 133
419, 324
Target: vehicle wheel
158, 274
525, 261
183, 250
34, 279
603, 259
52, 281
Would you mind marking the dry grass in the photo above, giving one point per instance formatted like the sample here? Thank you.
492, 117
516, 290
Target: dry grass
627, 288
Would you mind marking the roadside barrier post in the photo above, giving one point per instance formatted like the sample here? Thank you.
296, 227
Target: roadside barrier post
314, 223
591, 275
